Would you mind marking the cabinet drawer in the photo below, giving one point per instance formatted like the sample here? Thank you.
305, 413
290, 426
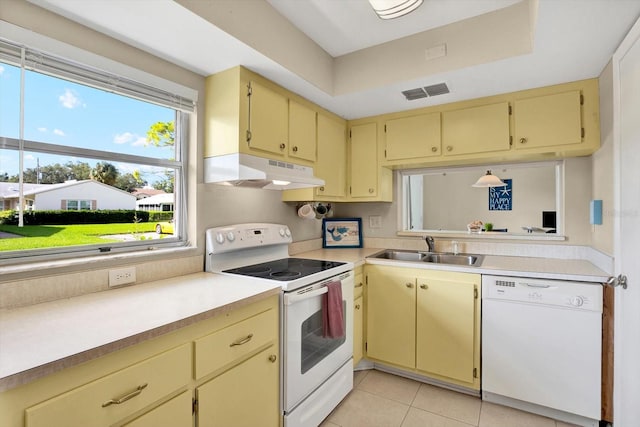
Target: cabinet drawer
176, 412
221, 348
85, 405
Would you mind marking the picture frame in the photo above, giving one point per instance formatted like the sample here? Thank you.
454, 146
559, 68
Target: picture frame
342, 233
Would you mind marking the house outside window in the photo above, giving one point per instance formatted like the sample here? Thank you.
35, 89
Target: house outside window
76, 138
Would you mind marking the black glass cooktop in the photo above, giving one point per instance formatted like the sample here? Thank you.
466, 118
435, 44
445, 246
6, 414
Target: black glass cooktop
285, 269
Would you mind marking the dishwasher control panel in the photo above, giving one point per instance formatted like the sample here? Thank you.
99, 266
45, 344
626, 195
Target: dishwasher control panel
559, 293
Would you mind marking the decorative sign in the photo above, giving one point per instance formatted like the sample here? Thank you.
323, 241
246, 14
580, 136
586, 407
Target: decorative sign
501, 198
342, 233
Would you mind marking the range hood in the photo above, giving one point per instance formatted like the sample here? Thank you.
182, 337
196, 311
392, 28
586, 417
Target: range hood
245, 170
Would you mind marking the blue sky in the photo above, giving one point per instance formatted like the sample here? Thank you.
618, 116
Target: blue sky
61, 112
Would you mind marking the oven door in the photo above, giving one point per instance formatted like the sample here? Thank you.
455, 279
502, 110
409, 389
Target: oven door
309, 359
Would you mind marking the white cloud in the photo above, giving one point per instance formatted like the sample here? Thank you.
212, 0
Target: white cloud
1, 70
69, 99
29, 157
42, 129
140, 141
58, 132
123, 138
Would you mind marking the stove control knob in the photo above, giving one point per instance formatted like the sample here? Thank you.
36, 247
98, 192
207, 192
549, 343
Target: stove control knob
287, 232
220, 238
577, 301
282, 232
230, 236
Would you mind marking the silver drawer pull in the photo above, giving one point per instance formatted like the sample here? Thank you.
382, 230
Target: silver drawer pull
242, 340
126, 397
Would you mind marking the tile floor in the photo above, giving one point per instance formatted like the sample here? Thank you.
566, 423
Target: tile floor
379, 399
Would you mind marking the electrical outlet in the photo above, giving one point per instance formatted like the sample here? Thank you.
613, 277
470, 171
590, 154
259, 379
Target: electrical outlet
122, 276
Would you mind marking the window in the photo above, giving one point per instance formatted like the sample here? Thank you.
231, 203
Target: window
77, 145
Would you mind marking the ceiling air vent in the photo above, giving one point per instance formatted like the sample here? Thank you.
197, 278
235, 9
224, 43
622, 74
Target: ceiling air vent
412, 94
437, 89
433, 90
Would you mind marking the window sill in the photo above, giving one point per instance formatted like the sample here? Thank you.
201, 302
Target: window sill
484, 235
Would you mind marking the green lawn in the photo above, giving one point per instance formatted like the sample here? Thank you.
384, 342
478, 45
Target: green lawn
47, 236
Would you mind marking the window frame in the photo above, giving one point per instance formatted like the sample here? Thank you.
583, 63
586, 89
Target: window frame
181, 99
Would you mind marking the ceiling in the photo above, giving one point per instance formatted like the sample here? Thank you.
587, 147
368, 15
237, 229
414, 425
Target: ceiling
338, 54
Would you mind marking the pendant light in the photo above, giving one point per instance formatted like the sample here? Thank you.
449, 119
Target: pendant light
389, 9
489, 180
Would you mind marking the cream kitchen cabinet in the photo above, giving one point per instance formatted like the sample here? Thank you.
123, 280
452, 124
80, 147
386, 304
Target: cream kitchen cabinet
358, 315
331, 163
476, 130
157, 381
413, 137
425, 321
367, 180
548, 121
246, 113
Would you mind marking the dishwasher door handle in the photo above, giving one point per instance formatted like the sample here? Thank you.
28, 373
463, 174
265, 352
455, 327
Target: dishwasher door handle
537, 285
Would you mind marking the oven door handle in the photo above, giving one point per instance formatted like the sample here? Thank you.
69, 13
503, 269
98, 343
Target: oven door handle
292, 298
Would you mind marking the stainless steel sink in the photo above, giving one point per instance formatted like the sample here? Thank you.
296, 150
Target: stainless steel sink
460, 259
400, 255
432, 257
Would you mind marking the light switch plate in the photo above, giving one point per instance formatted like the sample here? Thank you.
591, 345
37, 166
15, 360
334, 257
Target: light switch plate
375, 221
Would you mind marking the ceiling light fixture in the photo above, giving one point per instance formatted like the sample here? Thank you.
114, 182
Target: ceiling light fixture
389, 9
489, 180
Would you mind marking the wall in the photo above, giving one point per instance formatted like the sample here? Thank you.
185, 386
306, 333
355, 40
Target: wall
602, 164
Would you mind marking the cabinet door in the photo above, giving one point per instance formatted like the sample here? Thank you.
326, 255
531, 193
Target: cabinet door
446, 317
391, 315
476, 130
302, 132
244, 396
358, 317
268, 120
332, 157
364, 160
547, 121
175, 413
413, 137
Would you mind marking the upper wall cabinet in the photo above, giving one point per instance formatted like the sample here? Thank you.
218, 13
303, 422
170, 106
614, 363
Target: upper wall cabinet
368, 181
476, 130
331, 163
412, 137
538, 124
268, 120
302, 132
547, 121
246, 113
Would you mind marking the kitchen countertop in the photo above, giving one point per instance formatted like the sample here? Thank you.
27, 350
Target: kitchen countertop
545, 268
44, 338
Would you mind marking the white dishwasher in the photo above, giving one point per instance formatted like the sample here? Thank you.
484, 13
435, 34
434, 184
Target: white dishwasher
541, 346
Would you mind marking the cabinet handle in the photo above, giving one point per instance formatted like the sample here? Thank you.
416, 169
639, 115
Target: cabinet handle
357, 306
295, 148
409, 285
371, 190
359, 285
241, 340
449, 148
273, 358
523, 140
126, 397
434, 149
321, 188
423, 286
282, 146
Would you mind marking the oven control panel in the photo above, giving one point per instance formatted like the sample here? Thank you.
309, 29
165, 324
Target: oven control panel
244, 236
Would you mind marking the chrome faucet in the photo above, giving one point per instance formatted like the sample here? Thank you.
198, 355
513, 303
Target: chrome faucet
430, 243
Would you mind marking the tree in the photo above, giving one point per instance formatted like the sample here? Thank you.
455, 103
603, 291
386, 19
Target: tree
4, 177
162, 134
166, 184
105, 173
129, 182
78, 170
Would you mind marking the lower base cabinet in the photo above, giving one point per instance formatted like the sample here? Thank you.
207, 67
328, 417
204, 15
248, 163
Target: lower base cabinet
425, 321
222, 371
244, 396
